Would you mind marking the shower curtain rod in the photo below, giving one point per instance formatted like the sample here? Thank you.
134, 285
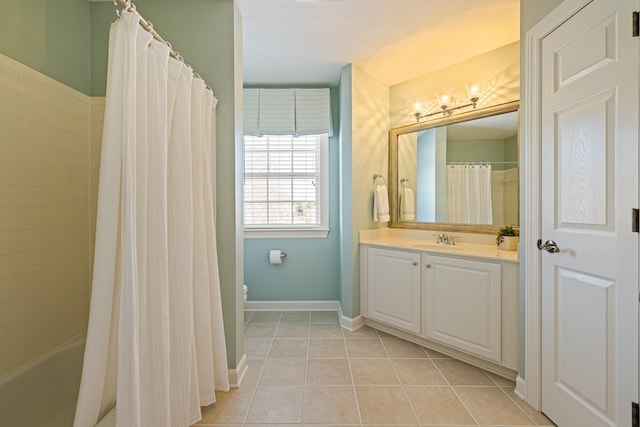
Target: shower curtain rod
482, 163
147, 25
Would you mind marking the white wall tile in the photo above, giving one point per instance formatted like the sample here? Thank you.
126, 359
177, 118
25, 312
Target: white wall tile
30, 174
30, 152
69, 141
9, 126
30, 240
9, 149
9, 79
8, 242
53, 97
8, 290
8, 172
30, 110
29, 218
9, 359
8, 196
29, 262
29, 197
51, 117
8, 266
68, 122
51, 176
8, 219
8, 336
30, 349
9, 102
8, 312
30, 131
30, 327
45, 211
30, 87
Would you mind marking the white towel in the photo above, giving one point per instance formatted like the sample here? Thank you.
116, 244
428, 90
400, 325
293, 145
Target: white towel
407, 205
381, 204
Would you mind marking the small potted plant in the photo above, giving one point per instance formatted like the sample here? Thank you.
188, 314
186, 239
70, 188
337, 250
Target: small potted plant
508, 238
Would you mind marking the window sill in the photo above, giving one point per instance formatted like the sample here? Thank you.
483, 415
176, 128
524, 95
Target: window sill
285, 233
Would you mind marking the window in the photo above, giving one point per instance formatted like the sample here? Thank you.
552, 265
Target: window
286, 186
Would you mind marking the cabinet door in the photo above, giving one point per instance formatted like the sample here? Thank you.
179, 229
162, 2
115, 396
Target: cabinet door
393, 286
463, 305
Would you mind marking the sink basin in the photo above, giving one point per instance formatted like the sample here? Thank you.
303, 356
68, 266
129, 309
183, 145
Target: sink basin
436, 247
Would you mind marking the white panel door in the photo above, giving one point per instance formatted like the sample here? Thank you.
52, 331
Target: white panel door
464, 305
589, 186
393, 288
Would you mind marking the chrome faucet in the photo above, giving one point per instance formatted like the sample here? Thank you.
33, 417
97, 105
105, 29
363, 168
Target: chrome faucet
445, 239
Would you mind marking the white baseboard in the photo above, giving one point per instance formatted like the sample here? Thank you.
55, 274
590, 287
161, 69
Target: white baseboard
236, 375
346, 322
350, 324
292, 305
521, 388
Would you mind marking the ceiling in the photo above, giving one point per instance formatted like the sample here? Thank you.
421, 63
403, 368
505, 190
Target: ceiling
290, 42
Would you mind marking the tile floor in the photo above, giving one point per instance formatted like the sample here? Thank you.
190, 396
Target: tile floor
305, 370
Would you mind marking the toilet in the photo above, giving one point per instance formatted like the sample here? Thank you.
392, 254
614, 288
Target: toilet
244, 295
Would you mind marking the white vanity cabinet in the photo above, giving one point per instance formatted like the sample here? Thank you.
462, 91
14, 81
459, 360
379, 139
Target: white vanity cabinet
461, 302
464, 304
393, 288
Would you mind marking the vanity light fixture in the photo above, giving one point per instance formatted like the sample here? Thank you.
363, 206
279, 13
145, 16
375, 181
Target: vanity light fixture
447, 104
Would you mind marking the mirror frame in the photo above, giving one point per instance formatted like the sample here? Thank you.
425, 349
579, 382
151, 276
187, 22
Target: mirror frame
444, 121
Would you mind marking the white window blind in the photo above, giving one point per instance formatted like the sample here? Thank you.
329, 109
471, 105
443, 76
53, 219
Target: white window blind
287, 112
284, 186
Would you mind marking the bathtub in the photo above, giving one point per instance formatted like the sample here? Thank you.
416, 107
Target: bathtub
43, 393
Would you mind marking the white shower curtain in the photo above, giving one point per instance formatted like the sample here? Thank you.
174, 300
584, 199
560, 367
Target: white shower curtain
469, 194
155, 343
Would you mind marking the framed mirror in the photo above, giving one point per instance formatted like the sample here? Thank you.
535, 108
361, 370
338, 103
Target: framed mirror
456, 173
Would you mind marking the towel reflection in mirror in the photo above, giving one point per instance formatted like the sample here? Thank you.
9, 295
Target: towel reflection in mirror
407, 202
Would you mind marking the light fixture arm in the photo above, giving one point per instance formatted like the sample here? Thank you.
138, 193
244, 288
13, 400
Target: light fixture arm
446, 110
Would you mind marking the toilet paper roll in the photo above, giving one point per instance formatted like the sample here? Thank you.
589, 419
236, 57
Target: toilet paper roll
275, 256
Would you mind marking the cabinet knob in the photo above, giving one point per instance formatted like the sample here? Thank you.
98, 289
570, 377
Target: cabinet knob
415, 263
428, 265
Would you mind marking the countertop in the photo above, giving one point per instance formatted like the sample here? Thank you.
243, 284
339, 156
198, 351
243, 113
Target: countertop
467, 245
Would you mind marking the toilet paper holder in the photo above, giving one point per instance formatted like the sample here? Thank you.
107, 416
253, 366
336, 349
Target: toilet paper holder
282, 255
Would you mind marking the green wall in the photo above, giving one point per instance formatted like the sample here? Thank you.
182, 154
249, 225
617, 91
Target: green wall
208, 34
364, 118
347, 262
201, 30
50, 36
486, 150
511, 149
311, 270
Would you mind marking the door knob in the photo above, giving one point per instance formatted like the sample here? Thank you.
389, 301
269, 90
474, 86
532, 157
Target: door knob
415, 263
428, 265
549, 246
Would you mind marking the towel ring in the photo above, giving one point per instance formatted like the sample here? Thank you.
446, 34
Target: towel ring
377, 178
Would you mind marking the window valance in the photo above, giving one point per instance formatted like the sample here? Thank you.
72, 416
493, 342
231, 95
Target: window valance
287, 112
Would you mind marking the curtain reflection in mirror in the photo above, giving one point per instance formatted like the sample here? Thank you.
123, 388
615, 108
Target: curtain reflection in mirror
469, 194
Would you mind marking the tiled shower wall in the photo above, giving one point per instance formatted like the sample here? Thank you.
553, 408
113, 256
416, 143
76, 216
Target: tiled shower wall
47, 211
97, 119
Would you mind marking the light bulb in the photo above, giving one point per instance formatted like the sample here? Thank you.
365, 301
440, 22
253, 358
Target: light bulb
474, 95
417, 107
445, 99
